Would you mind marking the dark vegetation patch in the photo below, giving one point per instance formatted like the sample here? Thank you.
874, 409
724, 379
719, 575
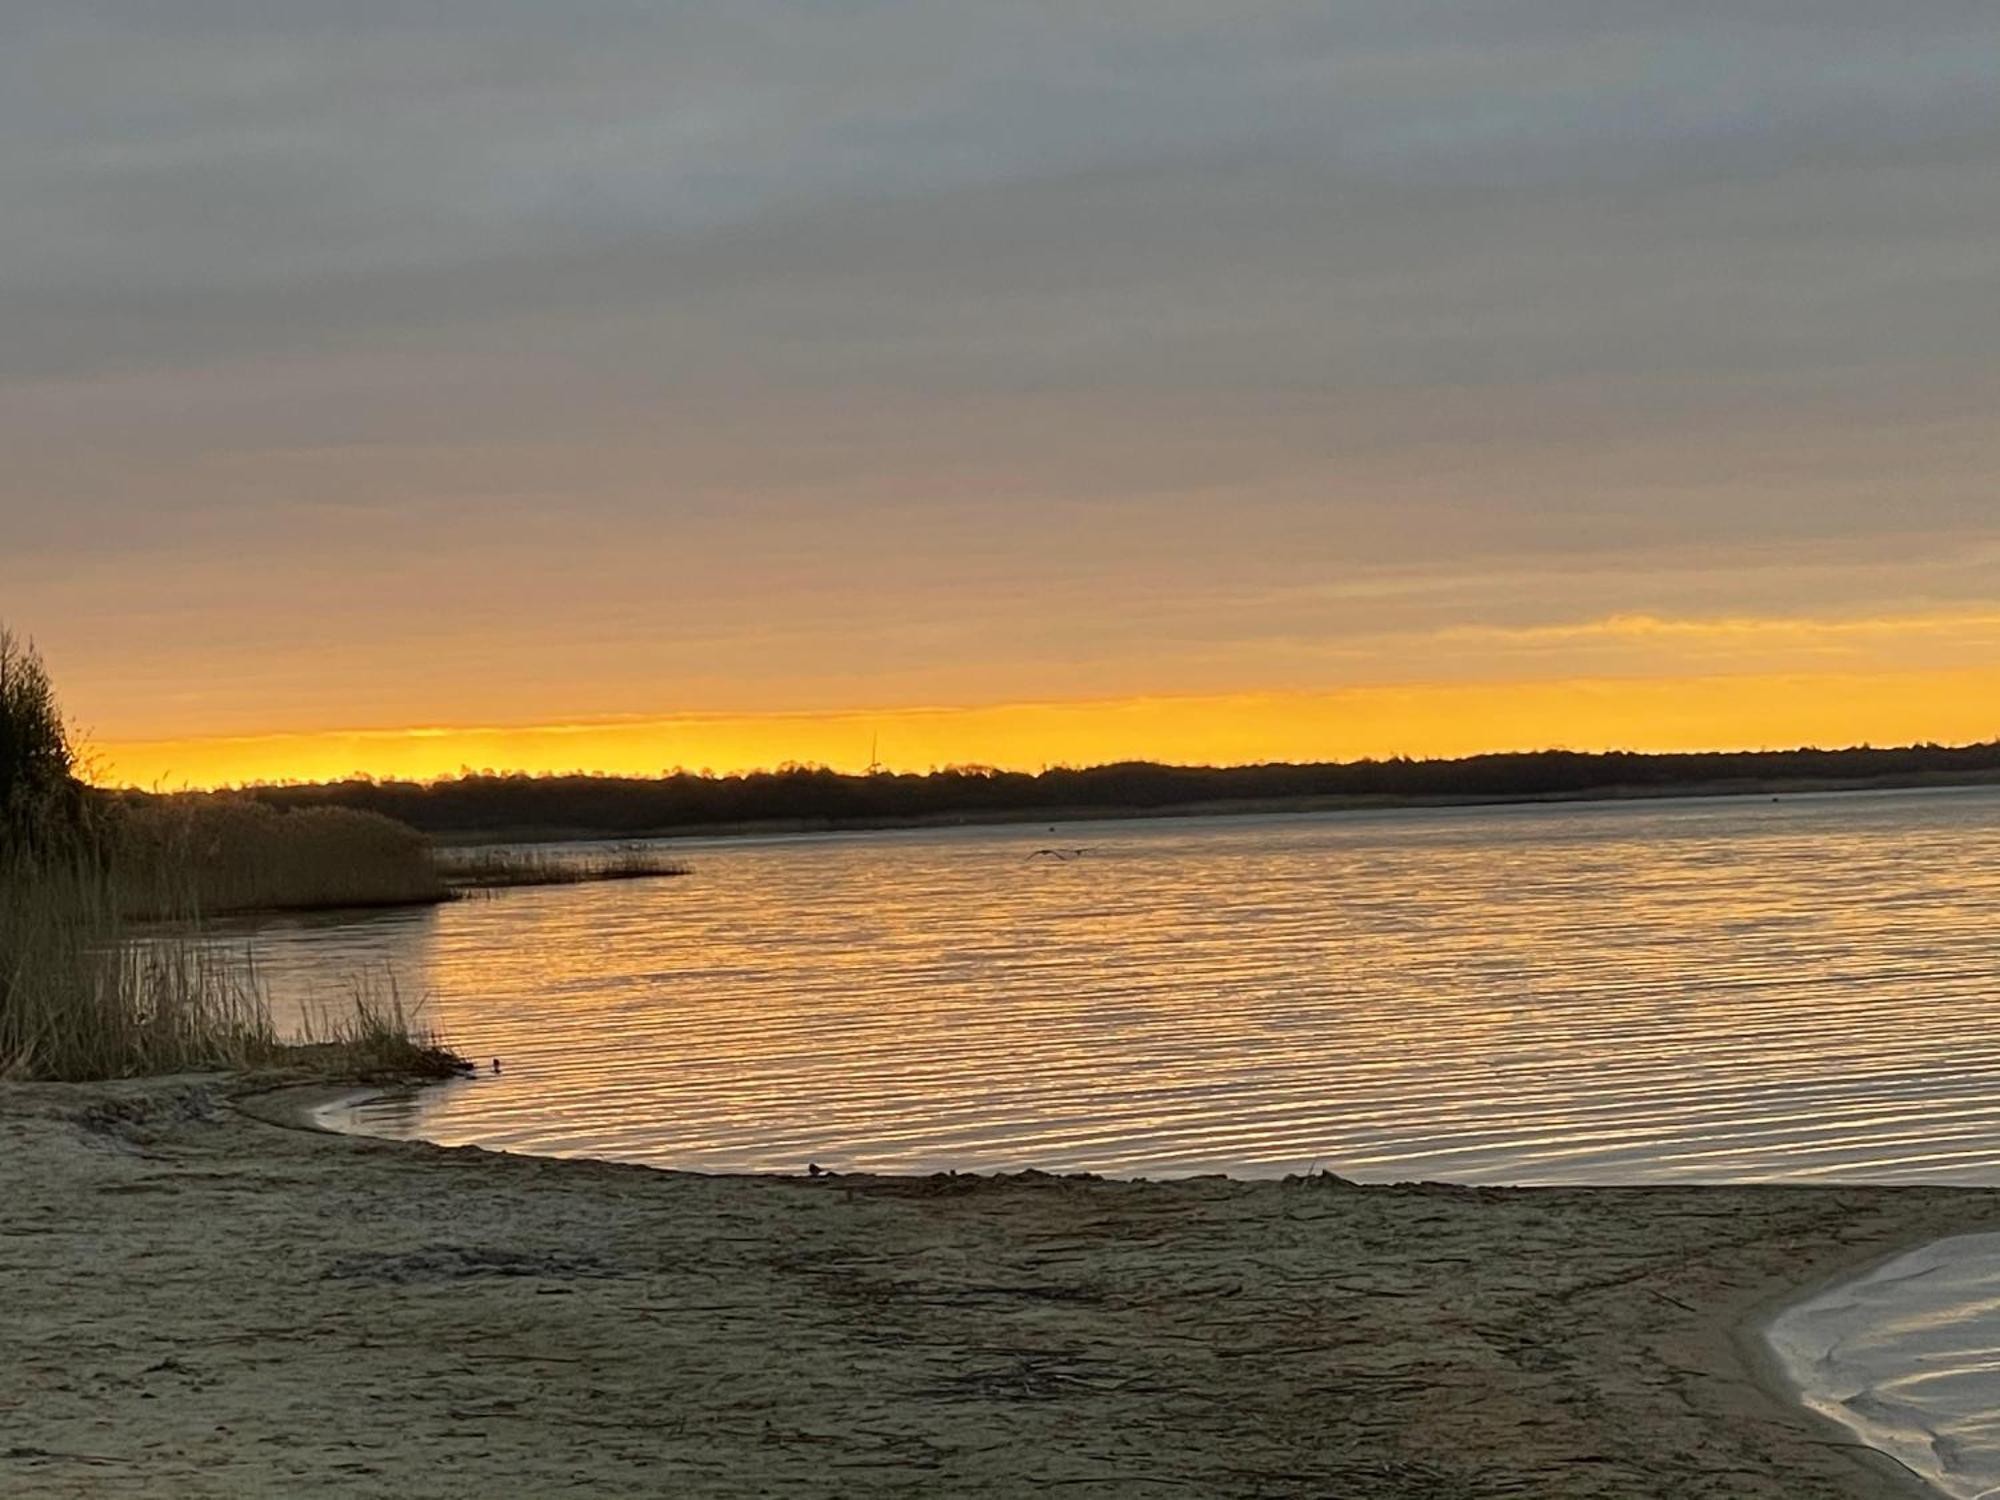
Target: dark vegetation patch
86, 995
492, 805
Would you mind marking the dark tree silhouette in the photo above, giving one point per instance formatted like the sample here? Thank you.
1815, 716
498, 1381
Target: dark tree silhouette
486, 804
37, 782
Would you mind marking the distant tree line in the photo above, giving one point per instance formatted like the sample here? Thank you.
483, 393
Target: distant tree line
815, 797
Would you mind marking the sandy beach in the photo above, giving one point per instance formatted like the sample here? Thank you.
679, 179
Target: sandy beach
204, 1301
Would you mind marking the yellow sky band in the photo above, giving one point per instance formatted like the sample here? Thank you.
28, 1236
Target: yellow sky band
1662, 714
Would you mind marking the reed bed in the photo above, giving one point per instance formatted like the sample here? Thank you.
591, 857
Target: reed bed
485, 869
80, 999
84, 994
371, 1032
213, 854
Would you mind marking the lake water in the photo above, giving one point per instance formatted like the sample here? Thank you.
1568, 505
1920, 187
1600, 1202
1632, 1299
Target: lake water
1908, 1359
1704, 991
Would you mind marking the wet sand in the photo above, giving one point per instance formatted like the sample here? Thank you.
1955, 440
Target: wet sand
200, 1302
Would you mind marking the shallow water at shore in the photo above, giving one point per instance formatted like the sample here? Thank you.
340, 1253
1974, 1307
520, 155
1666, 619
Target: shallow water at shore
1908, 1359
1722, 990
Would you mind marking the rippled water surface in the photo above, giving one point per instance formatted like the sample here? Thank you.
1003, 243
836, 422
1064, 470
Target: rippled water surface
1719, 990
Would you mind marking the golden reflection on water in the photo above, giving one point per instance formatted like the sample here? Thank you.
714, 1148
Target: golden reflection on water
1717, 990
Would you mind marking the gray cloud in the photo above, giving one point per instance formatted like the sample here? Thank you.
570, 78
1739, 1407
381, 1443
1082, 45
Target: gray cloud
1281, 289
186, 145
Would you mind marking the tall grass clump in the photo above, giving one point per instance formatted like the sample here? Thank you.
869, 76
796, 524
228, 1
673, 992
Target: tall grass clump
77, 999
372, 1033
81, 998
213, 853
84, 996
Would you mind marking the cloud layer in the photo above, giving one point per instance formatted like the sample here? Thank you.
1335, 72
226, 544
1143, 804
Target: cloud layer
483, 362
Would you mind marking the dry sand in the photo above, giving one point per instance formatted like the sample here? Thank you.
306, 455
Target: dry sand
194, 1301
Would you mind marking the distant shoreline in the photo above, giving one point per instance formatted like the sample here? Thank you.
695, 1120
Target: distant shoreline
1216, 807
486, 807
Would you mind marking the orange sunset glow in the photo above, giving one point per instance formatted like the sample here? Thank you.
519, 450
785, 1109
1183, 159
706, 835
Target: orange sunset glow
1663, 715
1652, 685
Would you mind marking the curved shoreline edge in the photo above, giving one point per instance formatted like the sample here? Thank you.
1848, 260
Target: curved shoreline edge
1748, 1334
307, 1312
1752, 1336
300, 1106
1898, 1356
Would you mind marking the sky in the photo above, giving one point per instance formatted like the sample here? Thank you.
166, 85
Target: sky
408, 387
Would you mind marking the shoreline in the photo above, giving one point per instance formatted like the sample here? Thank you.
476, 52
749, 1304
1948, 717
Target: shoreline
299, 1106
222, 1297
1747, 1336
1897, 1355
1752, 1338
1216, 808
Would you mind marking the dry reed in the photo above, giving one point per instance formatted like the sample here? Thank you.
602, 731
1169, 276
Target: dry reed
82, 998
212, 854
372, 1033
84, 995
496, 869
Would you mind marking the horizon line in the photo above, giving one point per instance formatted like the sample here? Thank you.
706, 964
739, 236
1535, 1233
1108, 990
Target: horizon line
976, 769
1642, 715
